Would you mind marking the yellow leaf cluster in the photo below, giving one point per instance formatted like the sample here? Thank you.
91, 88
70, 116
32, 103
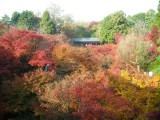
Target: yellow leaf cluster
141, 80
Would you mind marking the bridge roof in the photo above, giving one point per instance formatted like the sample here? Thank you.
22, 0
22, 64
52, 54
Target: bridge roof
85, 40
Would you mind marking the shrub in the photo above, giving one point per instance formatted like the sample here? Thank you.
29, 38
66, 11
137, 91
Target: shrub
88, 95
138, 90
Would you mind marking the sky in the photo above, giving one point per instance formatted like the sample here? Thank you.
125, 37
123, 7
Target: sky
81, 10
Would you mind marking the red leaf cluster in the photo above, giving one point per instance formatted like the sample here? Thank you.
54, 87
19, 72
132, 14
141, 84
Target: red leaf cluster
40, 59
90, 97
117, 37
27, 43
8, 63
103, 50
7, 44
153, 35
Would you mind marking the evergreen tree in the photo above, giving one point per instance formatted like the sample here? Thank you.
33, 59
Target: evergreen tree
27, 20
6, 20
157, 17
15, 18
46, 24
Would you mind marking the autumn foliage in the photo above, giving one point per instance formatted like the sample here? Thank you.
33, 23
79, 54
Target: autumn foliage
40, 59
117, 37
9, 64
153, 35
3, 28
28, 47
89, 96
97, 82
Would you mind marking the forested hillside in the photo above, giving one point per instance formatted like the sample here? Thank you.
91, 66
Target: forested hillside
44, 76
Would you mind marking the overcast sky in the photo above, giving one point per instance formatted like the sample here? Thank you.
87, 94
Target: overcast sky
81, 10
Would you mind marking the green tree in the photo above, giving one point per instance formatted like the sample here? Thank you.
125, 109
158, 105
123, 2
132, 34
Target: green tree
112, 24
6, 20
130, 21
27, 20
149, 18
139, 28
142, 20
81, 32
157, 17
158, 7
93, 27
138, 17
46, 24
15, 18
154, 66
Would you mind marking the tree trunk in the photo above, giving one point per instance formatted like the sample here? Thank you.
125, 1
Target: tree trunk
138, 68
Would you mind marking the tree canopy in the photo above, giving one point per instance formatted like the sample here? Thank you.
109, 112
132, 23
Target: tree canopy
157, 17
27, 20
112, 24
46, 24
15, 18
5, 20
